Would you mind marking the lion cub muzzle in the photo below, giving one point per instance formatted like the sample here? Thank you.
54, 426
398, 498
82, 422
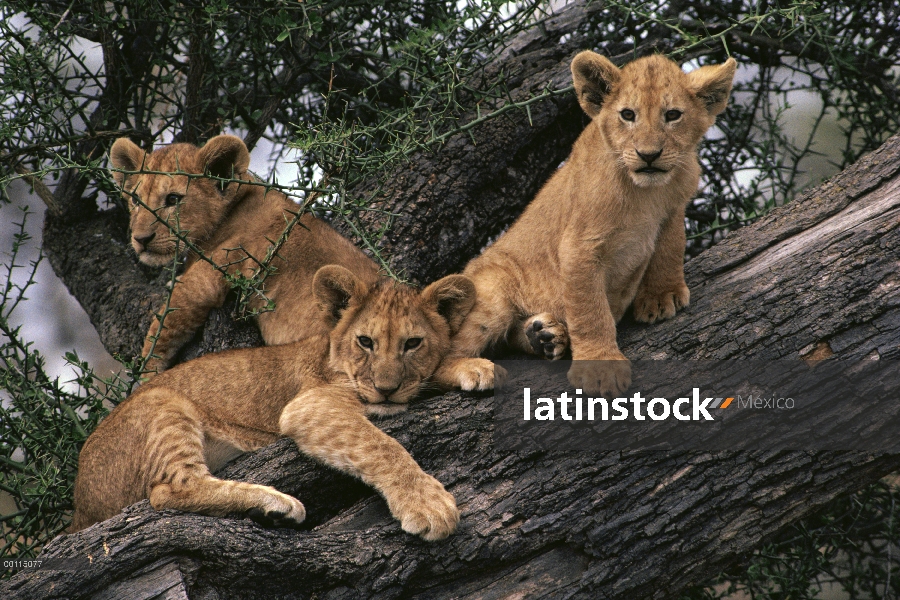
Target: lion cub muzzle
141, 241
649, 157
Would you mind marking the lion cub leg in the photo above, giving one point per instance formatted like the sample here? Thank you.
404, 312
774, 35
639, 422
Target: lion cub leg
199, 290
329, 424
662, 290
491, 319
179, 478
543, 335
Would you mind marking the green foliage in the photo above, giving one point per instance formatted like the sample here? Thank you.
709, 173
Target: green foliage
43, 423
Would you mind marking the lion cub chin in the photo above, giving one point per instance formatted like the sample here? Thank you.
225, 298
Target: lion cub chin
385, 339
605, 232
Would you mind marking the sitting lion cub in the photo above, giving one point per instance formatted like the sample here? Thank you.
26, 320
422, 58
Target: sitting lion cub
385, 339
234, 227
606, 231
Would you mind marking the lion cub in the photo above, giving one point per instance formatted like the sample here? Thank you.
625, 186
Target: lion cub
385, 340
606, 231
234, 227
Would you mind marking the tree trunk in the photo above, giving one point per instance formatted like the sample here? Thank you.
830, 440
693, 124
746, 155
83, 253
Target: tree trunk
816, 278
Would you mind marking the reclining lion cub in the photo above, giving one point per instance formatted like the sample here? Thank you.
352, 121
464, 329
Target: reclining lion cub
606, 231
229, 226
385, 340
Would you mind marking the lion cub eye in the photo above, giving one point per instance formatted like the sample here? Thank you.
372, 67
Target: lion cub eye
627, 114
173, 199
673, 115
412, 343
365, 342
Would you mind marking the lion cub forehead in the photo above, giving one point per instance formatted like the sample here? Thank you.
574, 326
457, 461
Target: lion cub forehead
652, 81
174, 157
393, 307
150, 186
650, 68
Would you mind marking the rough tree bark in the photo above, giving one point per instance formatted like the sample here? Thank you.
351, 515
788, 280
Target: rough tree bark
816, 278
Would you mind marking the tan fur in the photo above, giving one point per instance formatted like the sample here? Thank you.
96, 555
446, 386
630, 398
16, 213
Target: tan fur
385, 340
228, 226
600, 235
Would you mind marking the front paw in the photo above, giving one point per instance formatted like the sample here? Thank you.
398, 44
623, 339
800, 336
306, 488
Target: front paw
154, 362
471, 374
652, 306
279, 510
152, 367
608, 376
424, 508
548, 337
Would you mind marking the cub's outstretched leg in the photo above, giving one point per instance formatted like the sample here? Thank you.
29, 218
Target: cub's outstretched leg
169, 451
196, 293
329, 423
178, 477
662, 290
199, 290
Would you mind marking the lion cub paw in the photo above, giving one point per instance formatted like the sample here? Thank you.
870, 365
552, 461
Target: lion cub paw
652, 307
476, 374
279, 510
152, 368
548, 337
606, 377
425, 509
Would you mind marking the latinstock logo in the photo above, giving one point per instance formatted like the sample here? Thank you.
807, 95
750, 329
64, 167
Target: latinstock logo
708, 406
637, 407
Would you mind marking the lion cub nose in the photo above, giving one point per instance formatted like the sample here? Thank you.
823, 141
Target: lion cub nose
649, 157
386, 392
143, 240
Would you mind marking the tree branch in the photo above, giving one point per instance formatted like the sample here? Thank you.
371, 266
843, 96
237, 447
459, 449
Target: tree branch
817, 277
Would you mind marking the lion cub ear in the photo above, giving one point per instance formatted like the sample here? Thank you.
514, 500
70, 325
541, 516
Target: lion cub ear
712, 84
224, 156
593, 76
451, 297
125, 155
334, 287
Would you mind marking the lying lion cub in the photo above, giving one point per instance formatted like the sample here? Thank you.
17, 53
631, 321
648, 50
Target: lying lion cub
385, 339
229, 226
606, 231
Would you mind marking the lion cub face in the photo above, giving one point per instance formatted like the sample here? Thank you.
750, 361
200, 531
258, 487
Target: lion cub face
389, 338
650, 113
192, 205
